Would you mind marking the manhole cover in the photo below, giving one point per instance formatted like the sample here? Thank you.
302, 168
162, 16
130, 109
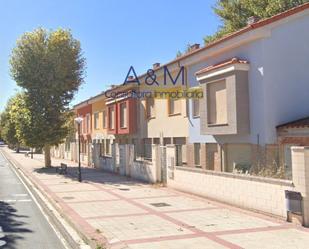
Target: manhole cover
124, 189
160, 204
68, 197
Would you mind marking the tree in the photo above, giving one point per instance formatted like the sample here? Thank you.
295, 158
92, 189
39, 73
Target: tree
186, 50
235, 13
178, 54
50, 67
8, 128
23, 120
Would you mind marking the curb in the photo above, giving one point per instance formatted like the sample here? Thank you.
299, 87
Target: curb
67, 232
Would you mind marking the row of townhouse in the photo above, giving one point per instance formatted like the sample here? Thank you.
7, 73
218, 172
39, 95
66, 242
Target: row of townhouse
253, 81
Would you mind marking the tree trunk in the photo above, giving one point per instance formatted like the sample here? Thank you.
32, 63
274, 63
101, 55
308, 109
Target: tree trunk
47, 156
31, 150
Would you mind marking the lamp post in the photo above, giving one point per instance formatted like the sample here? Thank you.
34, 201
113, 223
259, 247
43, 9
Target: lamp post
78, 121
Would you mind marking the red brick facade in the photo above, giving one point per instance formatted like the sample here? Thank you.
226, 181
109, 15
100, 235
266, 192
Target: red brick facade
131, 113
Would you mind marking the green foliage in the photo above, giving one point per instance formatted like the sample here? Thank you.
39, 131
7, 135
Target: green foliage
8, 125
70, 126
50, 67
219, 34
178, 54
23, 120
186, 50
235, 13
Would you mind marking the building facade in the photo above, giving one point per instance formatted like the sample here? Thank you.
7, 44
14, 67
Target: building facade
251, 81
84, 110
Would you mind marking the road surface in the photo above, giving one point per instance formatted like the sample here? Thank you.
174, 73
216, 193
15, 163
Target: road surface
22, 224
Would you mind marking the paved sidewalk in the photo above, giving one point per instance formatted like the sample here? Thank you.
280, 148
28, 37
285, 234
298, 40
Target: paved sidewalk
128, 214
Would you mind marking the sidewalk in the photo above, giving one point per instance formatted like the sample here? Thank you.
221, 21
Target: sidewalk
123, 213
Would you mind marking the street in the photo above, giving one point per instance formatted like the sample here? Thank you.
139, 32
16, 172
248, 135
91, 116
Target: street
22, 224
120, 212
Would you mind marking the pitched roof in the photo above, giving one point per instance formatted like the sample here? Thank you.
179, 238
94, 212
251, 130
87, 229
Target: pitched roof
222, 64
299, 123
246, 29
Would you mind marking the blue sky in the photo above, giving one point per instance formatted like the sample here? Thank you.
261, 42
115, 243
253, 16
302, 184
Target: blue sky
114, 34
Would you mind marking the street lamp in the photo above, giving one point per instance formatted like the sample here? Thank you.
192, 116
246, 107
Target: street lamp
78, 121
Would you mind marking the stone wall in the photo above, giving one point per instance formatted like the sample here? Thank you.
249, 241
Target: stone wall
122, 162
251, 192
256, 193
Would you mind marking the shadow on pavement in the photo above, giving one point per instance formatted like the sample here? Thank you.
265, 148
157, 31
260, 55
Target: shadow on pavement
92, 175
11, 225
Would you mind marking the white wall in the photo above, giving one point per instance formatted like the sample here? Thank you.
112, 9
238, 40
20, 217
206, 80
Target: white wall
286, 73
278, 82
265, 195
144, 171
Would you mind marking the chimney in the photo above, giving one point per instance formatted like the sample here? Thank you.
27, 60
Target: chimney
194, 47
252, 19
155, 65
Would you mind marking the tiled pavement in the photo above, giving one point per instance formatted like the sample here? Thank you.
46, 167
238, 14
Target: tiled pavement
130, 214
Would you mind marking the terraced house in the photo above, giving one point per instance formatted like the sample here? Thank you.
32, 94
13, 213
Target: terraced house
101, 140
225, 144
84, 110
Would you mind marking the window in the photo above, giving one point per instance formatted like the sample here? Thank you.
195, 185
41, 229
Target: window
156, 140
88, 123
104, 119
137, 149
111, 117
83, 147
174, 106
147, 149
178, 154
102, 149
108, 147
167, 140
96, 120
123, 115
82, 126
197, 154
217, 103
150, 111
67, 145
225, 103
212, 156
195, 108
181, 150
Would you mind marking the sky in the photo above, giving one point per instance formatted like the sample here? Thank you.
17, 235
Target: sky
114, 34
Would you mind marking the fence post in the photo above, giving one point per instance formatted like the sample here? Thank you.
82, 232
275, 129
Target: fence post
156, 162
171, 160
300, 177
115, 157
123, 159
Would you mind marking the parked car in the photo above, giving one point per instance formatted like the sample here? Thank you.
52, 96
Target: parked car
1, 143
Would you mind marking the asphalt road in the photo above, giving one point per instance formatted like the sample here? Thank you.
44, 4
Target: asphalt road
22, 224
